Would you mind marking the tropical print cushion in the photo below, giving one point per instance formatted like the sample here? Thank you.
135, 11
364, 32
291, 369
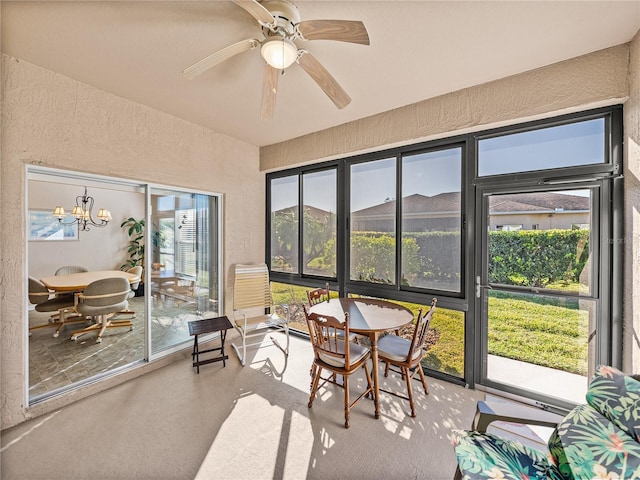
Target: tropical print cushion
599, 440
617, 397
488, 456
587, 445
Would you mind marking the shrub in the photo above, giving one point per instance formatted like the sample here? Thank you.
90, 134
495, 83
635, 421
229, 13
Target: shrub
536, 258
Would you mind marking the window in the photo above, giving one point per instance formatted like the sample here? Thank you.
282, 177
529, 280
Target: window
308, 247
373, 221
544, 148
284, 224
319, 241
431, 219
403, 223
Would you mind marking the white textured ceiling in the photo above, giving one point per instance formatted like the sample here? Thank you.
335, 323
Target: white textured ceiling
419, 49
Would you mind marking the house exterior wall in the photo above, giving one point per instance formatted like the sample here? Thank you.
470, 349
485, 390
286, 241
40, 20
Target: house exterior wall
54, 121
545, 221
606, 77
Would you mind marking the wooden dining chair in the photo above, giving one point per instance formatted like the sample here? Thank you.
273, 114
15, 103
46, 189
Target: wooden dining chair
318, 295
333, 354
406, 355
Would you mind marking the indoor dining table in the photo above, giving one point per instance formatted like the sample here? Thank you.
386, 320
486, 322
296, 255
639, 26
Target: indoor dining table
369, 317
74, 282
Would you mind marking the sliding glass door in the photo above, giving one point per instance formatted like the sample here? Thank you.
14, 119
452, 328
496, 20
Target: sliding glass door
175, 235
184, 259
57, 247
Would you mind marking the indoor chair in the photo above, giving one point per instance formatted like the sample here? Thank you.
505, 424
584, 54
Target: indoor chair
67, 269
101, 299
316, 296
61, 306
137, 270
332, 353
253, 309
405, 355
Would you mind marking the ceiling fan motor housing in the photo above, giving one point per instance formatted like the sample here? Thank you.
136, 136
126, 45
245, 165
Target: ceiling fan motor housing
286, 15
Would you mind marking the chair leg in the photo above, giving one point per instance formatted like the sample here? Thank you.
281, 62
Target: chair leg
345, 380
405, 374
387, 365
423, 379
312, 373
102, 324
314, 386
458, 474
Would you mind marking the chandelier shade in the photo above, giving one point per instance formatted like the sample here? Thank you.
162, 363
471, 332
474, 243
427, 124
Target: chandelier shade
82, 212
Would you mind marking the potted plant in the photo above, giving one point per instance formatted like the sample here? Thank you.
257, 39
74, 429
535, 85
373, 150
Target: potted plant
135, 250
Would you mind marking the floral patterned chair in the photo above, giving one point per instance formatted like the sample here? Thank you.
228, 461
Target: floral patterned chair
599, 440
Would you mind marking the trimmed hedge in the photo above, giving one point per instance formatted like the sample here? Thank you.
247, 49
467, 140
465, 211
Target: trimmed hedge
533, 258
536, 258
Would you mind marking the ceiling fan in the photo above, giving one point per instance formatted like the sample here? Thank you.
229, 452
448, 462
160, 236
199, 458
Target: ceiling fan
281, 27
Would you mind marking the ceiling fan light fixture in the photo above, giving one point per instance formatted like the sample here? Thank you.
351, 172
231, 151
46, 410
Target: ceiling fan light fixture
279, 52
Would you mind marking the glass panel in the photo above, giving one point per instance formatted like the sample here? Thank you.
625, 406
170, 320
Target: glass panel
373, 221
554, 358
284, 224
164, 242
444, 345
55, 361
320, 222
541, 240
444, 349
295, 296
185, 231
575, 144
431, 219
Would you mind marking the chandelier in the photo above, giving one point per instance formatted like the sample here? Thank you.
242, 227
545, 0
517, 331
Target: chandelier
83, 214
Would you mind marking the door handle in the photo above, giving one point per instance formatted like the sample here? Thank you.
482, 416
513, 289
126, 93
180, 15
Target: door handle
479, 287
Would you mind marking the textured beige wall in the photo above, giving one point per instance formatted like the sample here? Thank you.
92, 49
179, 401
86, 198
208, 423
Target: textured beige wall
631, 337
599, 78
55, 121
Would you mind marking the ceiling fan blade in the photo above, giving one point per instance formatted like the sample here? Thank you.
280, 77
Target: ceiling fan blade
257, 11
340, 30
325, 81
219, 56
269, 92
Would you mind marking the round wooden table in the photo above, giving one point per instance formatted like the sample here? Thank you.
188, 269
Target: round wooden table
370, 317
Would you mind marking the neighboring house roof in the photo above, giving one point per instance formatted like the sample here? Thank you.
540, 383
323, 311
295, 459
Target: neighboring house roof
314, 212
416, 203
537, 202
512, 203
